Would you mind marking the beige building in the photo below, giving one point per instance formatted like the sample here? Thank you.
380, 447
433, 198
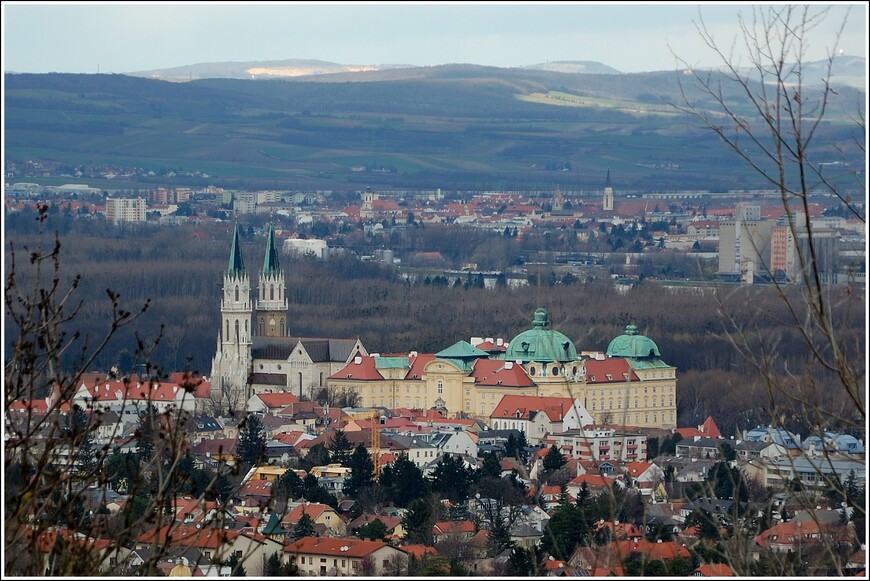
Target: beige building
322, 557
125, 209
630, 384
745, 243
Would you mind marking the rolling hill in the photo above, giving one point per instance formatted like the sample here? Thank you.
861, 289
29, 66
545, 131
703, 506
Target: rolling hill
457, 127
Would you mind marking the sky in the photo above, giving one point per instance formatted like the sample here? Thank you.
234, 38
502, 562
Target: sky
79, 37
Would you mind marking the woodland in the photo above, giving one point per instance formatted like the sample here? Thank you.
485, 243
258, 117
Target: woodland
177, 271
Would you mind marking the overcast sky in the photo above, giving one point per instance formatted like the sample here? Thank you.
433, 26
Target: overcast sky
131, 37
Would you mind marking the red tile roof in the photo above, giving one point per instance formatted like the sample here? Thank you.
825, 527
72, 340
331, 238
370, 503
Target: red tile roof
188, 536
715, 570
277, 400
419, 551
360, 369
417, 363
312, 509
554, 407
660, 551
344, 547
493, 372
598, 370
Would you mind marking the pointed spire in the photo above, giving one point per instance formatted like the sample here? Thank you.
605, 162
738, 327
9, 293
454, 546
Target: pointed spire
270, 262
236, 264
607, 183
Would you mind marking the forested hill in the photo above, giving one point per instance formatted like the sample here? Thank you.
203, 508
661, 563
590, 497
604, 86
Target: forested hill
452, 126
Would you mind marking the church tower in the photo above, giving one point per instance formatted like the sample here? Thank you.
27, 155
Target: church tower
271, 309
232, 362
607, 201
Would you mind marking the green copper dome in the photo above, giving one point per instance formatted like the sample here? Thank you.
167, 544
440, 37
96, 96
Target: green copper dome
630, 344
541, 343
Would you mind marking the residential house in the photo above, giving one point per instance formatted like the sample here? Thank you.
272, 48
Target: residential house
747, 450
345, 556
324, 516
602, 443
645, 476
539, 416
216, 544
270, 403
700, 447
791, 536
461, 530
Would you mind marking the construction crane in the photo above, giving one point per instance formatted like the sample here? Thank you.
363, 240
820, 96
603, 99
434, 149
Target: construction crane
375, 443
374, 415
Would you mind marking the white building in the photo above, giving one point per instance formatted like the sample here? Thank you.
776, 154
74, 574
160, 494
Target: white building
125, 209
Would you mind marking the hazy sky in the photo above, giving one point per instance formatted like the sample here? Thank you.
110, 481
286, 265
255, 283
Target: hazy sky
128, 37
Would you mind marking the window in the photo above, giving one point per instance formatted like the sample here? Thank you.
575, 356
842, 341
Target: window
555, 370
271, 292
440, 387
237, 292
532, 371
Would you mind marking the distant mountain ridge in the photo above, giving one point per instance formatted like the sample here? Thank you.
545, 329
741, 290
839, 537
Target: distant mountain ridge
293, 68
847, 70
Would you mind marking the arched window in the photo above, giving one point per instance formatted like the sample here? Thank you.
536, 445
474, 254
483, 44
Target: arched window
237, 330
237, 292
555, 370
300, 385
282, 328
532, 371
246, 326
227, 335
271, 292
261, 329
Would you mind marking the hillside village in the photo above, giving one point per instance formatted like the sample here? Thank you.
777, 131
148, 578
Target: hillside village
492, 456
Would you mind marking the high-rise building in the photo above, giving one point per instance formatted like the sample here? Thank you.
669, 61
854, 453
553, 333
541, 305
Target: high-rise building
125, 209
607, 199
744, 244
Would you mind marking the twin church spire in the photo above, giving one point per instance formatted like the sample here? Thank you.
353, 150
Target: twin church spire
269, 310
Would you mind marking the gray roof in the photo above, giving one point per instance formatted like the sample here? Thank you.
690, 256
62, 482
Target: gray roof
702, 442
319, 350
269, 379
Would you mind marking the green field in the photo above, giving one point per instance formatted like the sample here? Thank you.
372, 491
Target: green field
469, 132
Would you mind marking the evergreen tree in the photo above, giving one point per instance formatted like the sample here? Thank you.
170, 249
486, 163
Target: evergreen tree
499, 538
340, 449
403, 482
566, 529
235, 565
145, 433
418, 521
491, 466
288, 486
273, 566
362, 471
553, 461
304, 527
81, 439
451, 479
375, 530
252, 441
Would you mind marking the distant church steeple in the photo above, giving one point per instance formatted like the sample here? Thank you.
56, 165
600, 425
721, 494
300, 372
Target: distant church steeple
271, 309
607, 200
233, 356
